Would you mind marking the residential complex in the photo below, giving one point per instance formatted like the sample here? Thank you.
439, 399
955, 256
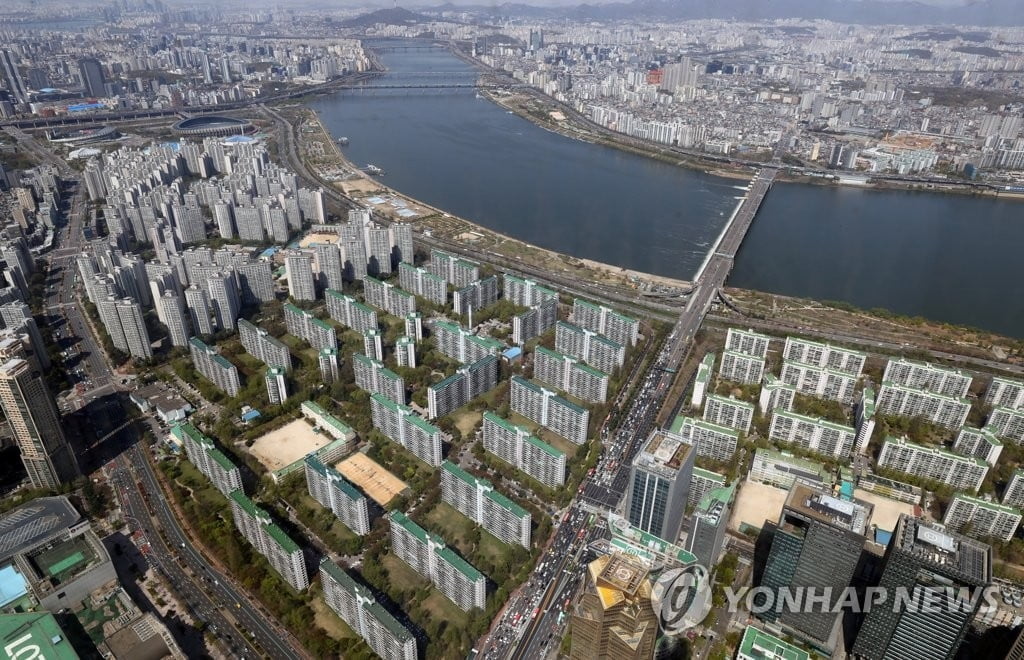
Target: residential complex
525, 292
405, 352
402, 425
329, 363
263, 346
544, 407
709, 440
428, 555
414, 325
306, 326
212, 366
535, 321
423, 283
208, 459
702, 380
518, 447
978, 443
462, 345
388, 297
358, 608
466, 384
980, 518
480, 502
262, 532
821, 382
747, 341
775, 393
956, 471
327, 423
817, 435
299, 271
596, 350
741, 367
349, 312
454, 270
727, 411
372, 376
823, 356
475, 296
659, 483
603, 320
373, 344
940, 409
929, 377
1014, 493
570, 375
1005, 393
1006, 423
337, 495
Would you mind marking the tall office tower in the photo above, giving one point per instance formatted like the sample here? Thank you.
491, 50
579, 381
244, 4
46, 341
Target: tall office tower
93, 81
18, 316
35, 424
301, 285
356, 605
329, 265
198, 310
935, 567
12, 77
707, 526
328, 359
659, 483
614, 619
172, 311
816, 547
405, 352
224, 299
401, 239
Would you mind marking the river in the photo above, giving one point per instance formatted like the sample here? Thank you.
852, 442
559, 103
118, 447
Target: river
944, 257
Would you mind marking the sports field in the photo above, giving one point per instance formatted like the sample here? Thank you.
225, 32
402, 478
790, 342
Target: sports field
287, 444
371, 477
755, 503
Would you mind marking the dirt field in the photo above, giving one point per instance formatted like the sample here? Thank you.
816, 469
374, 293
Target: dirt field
756, 503
308, 239
287, 444
371, 477
887, 511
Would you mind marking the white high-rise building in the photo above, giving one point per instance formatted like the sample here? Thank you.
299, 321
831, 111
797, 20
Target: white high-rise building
224, 299
544, 407
405, 352
172, 311
730, 412
299, 271
984, 518
958, 472
337, 495
620, 328
283, 554
198, 310
480, 502
928, 377
518, 447
950, 412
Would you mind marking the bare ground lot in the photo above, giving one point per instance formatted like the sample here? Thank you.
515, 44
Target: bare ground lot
887, 511
287, 444
756, 503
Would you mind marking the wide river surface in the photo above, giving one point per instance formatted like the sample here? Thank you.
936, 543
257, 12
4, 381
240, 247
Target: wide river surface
945, 257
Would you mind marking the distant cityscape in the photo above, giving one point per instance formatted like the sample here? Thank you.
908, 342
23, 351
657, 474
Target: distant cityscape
256, 403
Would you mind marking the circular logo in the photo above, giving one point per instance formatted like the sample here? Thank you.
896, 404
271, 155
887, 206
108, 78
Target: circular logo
682, 598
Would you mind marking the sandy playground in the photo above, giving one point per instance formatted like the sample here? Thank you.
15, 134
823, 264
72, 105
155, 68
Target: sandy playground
755, 503
287, 444
886, 511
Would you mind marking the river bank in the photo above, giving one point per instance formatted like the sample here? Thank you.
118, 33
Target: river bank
331, 164
555, 116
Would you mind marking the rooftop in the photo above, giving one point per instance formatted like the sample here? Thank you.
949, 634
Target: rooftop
35, 631
664, 451
759, 645
941, 549
985, 504
937, 451
35, 522
821, 505
817, 421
